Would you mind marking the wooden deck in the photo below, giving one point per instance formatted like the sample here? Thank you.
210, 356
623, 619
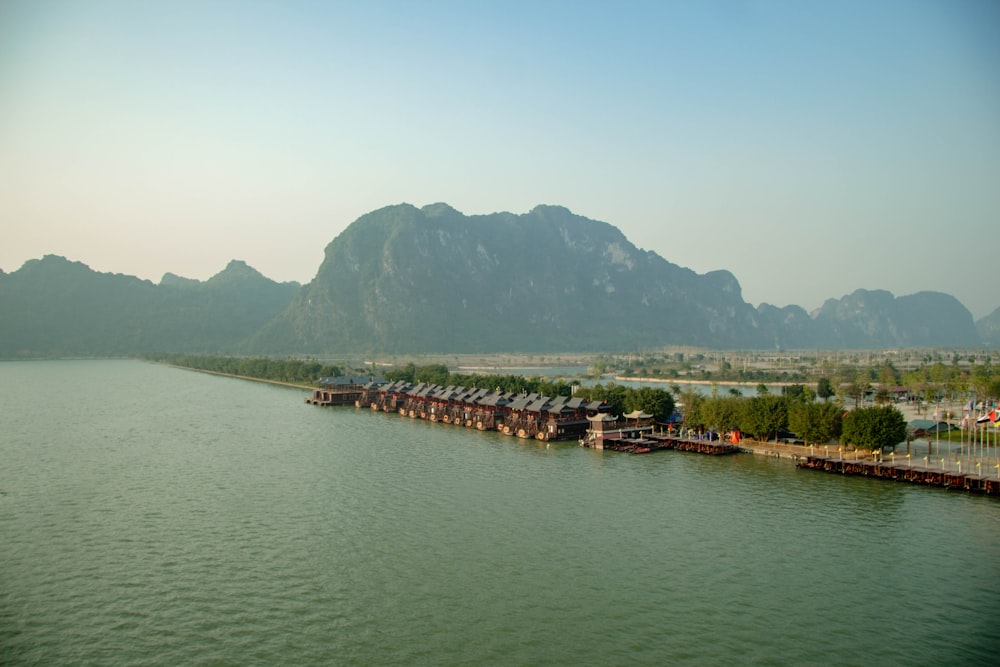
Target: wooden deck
648, 442
902, 472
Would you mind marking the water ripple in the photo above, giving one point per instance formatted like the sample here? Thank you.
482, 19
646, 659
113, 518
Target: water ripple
163, 517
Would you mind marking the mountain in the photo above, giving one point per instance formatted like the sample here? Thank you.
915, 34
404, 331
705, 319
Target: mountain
56, 307
222, 312
403, 279
989, 329
923, 319
53, 307
407, 279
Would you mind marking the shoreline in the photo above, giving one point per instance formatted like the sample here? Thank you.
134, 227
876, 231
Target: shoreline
280, 383
737, 383
746, 446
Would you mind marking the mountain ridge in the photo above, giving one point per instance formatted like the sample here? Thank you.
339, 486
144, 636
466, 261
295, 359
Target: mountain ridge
57, 307
403, 279
540, 270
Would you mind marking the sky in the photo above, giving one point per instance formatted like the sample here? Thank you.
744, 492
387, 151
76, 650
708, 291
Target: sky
810, 148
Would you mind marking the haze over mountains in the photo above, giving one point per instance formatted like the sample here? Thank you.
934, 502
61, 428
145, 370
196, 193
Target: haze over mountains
413, 280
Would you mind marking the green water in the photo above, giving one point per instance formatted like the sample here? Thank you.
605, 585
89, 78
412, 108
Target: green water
156, 516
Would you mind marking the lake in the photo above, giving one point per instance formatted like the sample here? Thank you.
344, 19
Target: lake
156, 516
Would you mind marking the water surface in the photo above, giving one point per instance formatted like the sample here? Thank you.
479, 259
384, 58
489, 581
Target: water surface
155, 516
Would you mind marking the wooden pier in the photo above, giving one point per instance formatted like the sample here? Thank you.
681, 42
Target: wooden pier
903, 472
655, 442
641, 438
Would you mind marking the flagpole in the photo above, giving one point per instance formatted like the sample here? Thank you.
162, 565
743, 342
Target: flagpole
975, 424
937, 427
966, 411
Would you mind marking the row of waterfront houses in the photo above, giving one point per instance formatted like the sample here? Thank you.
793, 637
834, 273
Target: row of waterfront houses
520, 414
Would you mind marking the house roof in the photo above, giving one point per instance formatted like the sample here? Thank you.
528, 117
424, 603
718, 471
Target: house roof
522, 401
537, 405
928, 425
495, 398
476, 395
420, 389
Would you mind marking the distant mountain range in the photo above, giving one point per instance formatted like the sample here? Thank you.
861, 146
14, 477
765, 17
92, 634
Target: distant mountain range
52, 307
414, 280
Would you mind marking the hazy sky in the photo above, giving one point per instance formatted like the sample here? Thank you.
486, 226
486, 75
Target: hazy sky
811, 148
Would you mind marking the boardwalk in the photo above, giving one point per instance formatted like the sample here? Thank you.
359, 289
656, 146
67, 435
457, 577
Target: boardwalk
925, 475
642, 440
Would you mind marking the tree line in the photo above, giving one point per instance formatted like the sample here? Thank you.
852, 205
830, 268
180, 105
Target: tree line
261, 368
765, 416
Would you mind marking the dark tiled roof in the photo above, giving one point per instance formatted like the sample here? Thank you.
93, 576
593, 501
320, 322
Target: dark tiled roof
519, 403
495, 398
537, 405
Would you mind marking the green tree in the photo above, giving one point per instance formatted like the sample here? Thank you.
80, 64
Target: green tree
764, 416
824, 388
986, 385
657, 402
857, 388
798, 393
874, 428
722, 412
551, 388
692, 402
432, 374
612, 394
815, 423
406, 373
888, 376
